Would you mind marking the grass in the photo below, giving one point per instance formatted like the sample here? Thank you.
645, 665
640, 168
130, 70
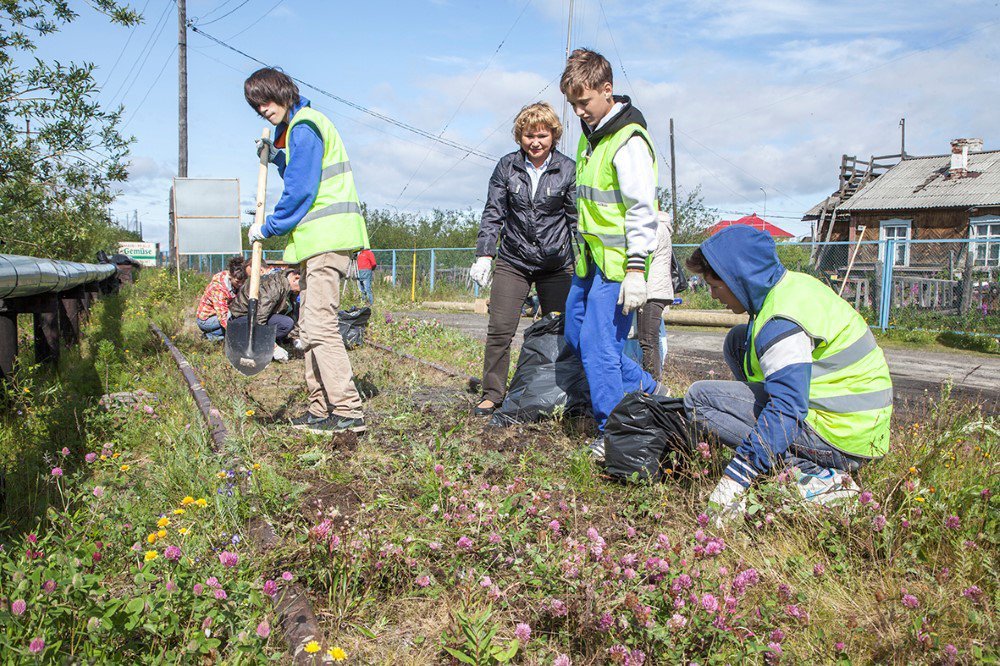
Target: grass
435, 538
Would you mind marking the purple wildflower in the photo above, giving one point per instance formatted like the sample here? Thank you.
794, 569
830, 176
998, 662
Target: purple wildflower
37, 645
972, 593
18, 607
952, 522
229, 559
562, 660
910, 601
172, 553
221, 595
264, 629
878, 523
423, 581
465, 543
198, 589
522, 632
57, 471
865, 497
676, 621
270, 587
90, 457
710, 603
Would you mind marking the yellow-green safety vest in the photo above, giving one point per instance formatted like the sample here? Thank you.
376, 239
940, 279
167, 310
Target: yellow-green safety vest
334, 221
599, 203
850, 394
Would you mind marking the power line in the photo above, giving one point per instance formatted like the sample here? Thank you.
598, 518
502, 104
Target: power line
147, 49
262, 17
215, 20
355, 105
485, 139
466, 97
135, 111
131, 33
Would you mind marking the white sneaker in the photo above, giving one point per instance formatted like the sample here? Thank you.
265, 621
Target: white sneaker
299, 345
280, 355
827, 487
597, 450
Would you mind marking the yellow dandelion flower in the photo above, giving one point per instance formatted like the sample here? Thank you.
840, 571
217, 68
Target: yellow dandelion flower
913, 470
115, 455
160, 534
220, 475
151, 538
256, 466
182, 531
919, 499
163, 522
187, 500
337, 654
201, 502
249, 412
179, 512
150, 555
312, 647
103, 457
125, 468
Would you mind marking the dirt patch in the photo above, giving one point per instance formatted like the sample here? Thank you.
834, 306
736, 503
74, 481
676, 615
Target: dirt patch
336, 501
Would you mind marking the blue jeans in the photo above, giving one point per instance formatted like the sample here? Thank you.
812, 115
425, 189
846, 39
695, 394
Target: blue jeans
211, 328
729, 410
282, 324
596, 331
365, 282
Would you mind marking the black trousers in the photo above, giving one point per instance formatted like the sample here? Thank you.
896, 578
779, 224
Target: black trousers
510, 288
647, 325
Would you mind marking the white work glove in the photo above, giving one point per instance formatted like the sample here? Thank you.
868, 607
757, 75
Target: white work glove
265, 144
727, 502
256, 232
480, 271
633, 292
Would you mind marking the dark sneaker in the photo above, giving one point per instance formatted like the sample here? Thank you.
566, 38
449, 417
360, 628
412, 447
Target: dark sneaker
335, 423
305, 421
662, 390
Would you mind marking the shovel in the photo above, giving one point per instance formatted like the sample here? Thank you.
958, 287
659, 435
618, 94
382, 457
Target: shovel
249, 345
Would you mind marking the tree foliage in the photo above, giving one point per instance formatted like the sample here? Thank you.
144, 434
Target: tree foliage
693, 216
60, 152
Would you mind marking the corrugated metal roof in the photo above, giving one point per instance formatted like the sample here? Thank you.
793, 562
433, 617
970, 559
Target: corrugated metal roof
922, 182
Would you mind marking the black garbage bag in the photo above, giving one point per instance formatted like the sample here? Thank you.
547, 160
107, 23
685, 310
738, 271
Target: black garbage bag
549, 378
644, 435
353, 323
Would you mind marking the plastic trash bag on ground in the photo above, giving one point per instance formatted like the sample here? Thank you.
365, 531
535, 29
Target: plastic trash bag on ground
549, 378
353, 324
644, 435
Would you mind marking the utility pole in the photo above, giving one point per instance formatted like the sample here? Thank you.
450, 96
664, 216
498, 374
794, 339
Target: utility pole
902, 138
673, 176
182, 94
567, 146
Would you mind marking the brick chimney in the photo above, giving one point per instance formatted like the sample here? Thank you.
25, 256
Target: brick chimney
960, 149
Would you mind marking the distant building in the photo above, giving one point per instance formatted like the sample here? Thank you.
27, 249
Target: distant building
952, 196
751, 221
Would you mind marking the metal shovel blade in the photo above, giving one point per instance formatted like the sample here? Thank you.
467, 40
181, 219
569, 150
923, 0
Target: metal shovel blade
249, 345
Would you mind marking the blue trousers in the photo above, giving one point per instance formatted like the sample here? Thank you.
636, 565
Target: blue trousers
212, 328
365, 282
596, 330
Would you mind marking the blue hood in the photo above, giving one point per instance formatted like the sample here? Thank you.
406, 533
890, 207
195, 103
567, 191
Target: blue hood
280, 140
747, 261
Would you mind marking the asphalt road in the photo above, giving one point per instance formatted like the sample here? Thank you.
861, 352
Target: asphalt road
917, 374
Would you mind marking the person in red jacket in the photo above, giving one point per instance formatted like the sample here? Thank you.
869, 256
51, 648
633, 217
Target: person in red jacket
366, 264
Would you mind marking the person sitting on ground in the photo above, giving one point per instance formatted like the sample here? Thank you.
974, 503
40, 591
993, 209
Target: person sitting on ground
526, 225
273, 305
812, 389
616, 204
212, 315
660, 292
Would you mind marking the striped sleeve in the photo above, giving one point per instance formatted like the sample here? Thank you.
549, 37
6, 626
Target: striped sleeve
784, 351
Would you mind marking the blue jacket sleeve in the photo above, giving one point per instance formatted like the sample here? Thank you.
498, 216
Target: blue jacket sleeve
301, 180
784, 352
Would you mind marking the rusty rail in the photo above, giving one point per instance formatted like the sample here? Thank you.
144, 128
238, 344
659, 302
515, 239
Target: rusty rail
473, 382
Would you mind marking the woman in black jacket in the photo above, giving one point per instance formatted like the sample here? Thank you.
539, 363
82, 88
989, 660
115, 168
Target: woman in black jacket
527, 226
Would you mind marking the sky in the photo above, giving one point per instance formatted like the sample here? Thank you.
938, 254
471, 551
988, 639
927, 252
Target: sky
766, 95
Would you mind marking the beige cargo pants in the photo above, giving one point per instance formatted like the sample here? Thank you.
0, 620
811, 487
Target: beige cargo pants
328, 369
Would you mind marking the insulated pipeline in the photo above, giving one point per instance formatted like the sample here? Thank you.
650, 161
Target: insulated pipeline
29, 276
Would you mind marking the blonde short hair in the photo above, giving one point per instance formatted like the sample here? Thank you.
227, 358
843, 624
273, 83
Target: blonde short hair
533, 115
585, 69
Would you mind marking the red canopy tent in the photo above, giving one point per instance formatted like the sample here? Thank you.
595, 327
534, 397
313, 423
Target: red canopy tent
751, 221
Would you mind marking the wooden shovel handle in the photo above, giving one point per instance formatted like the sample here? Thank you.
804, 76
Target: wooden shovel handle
258, 250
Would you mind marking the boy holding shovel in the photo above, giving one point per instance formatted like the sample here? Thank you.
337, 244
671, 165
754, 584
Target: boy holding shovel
319, 207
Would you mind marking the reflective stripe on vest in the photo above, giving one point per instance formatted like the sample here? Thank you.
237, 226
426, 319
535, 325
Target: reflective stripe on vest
850, 391
333, 222
600, 205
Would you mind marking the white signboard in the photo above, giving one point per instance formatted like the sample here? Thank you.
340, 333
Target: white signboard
144, 253
207, 216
